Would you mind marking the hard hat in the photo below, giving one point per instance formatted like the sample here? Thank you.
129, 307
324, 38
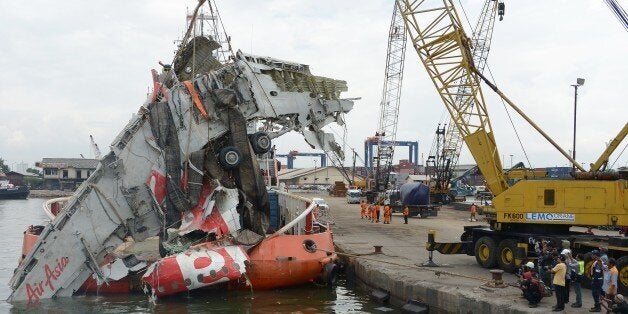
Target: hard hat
530, 265
565, 252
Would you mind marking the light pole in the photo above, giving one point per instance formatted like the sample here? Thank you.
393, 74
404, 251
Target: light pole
579, 82
510, 160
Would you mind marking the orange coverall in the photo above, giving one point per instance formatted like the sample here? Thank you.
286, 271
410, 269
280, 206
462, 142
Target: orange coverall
362, 210
474, 210
377, 213
406, 213
387, 214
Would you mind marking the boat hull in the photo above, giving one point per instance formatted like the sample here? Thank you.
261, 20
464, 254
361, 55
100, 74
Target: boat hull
290, 260
16, 193
277, 262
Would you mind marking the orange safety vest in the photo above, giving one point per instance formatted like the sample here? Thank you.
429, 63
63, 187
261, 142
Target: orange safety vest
386, 210
377, 208
474, 209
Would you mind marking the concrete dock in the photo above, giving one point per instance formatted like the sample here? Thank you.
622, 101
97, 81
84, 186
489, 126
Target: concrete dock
457, 287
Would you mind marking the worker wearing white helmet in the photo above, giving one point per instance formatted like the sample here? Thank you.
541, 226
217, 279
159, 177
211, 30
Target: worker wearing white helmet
569, 260
527, 271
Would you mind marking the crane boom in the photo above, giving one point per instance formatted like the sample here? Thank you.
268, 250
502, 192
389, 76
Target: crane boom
448, 143
389, 106
602, 161
619, 12
444, 49
523, 215
439, 39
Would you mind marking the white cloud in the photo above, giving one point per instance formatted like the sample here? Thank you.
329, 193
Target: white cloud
76, 69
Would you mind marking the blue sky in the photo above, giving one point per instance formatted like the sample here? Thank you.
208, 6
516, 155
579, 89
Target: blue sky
78, 68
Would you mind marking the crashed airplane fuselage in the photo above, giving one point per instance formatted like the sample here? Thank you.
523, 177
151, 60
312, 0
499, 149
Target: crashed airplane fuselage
187, 136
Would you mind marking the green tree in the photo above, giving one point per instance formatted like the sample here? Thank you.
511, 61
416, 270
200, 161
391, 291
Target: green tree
34, 171
3, 167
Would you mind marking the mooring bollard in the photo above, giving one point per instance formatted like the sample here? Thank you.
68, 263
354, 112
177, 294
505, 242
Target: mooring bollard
380, 296
415, 307
496, 281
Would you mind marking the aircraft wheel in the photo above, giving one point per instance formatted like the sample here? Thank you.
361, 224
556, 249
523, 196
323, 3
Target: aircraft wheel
230, 157
261, 143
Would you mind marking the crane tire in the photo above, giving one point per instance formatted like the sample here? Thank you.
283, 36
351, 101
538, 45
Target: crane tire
506, 255
622, 280
466, 236
486, 252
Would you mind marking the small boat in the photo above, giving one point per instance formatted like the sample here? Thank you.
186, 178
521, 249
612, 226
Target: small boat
13, 192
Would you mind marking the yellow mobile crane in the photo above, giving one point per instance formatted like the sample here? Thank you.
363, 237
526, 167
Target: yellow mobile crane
530, 211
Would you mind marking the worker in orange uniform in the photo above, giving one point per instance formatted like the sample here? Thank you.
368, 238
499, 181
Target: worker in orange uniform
474, 210
372, 212
362, 209
377, 209
387, 214
406, 213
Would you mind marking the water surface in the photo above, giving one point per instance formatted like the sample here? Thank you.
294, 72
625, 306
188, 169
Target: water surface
16, 215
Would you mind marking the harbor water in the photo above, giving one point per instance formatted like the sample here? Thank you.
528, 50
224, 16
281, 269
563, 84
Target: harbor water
16, 215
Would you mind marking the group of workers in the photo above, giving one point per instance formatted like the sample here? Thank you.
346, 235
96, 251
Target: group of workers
565, 271
372, 212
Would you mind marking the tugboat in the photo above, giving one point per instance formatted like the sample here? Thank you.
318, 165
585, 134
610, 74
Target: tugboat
12, 192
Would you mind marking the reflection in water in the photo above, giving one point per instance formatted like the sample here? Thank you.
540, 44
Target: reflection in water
16, 215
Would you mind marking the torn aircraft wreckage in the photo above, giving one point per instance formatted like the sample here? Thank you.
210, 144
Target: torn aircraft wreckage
184, 163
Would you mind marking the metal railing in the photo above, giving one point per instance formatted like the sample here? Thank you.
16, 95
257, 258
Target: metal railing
297, 210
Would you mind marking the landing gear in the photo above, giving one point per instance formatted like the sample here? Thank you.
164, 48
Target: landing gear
261, 143
230, 157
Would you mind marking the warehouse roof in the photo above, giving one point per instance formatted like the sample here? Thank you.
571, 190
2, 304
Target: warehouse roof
78, 163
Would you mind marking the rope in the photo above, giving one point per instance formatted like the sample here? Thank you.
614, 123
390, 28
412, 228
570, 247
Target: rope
115, 211
619, 12
189, 30
222, 26
464, 12
436, 272
184, 40
503, 103
193, 50
510, 118
622, 151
